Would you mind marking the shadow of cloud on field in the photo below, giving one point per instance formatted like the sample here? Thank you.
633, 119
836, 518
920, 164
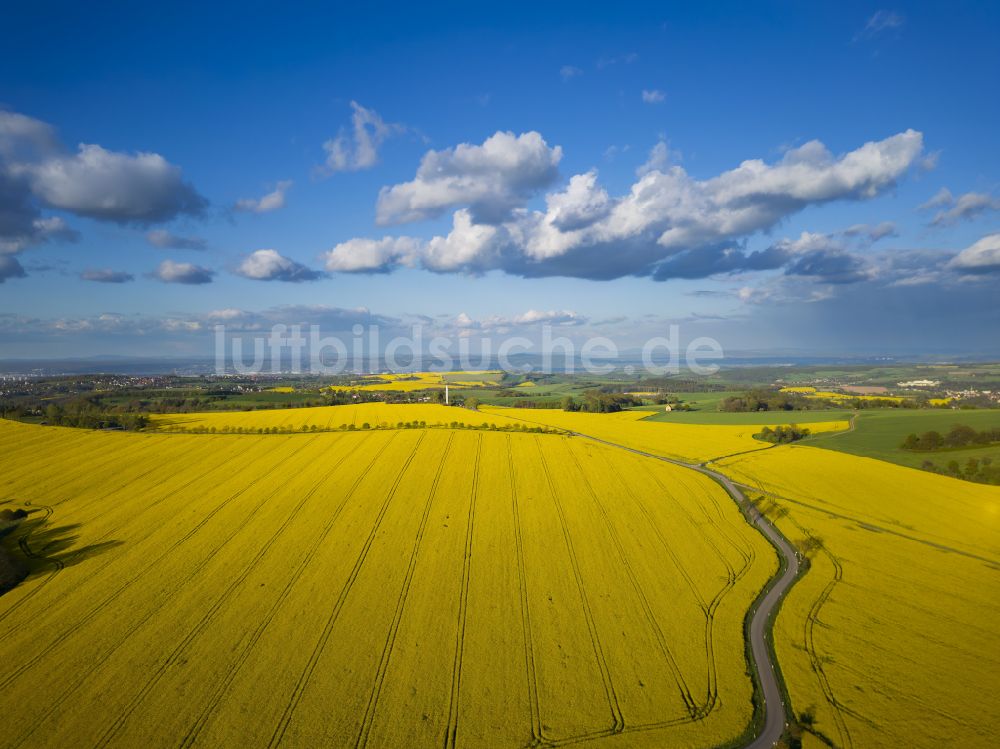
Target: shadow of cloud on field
31, 544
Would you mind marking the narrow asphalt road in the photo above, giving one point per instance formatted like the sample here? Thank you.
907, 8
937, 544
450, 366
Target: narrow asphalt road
760, 623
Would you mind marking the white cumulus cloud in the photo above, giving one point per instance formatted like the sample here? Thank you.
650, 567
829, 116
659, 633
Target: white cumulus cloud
272, 201
963, 208
667, 225
490, 179
371, 255
142, 188
270, 265
183, 273
982, 256
357, 148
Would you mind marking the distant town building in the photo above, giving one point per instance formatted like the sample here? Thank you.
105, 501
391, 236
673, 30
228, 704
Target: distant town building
919, 384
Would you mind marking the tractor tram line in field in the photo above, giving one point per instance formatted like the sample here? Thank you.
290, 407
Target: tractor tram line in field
618, 721
694, 710
315, 588
451, 731
992, 563
917, 662
605, 580
127, 483
95, 611
709, 608
98, 452
723, 524
529, 655
148, 615
211, 612
809, 643
320, 645
697, 712
733, 577
58, 564
232, 671
95, 445
138, 450
766, 666
30, 445
812, 618
390, 641
37, 588
115, 529
66, 438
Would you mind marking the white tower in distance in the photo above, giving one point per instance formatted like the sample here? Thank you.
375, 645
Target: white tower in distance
447, 402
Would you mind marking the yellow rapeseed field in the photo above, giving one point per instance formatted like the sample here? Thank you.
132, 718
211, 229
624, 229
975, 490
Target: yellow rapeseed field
375, 414
811, 392
688, 442
391, 588
830, 395
893, 636
409, 382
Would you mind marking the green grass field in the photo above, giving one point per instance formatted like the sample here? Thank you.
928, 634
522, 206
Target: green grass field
700, 402
706, 401
879, 433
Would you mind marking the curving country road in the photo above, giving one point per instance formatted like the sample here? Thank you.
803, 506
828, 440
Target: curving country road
762, 619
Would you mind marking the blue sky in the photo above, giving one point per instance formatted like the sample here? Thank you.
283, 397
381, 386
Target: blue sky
611, 201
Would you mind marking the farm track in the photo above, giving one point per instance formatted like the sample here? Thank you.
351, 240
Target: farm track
761, 621
216, 698
369, 717
451, 732
95, 664
320, 646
